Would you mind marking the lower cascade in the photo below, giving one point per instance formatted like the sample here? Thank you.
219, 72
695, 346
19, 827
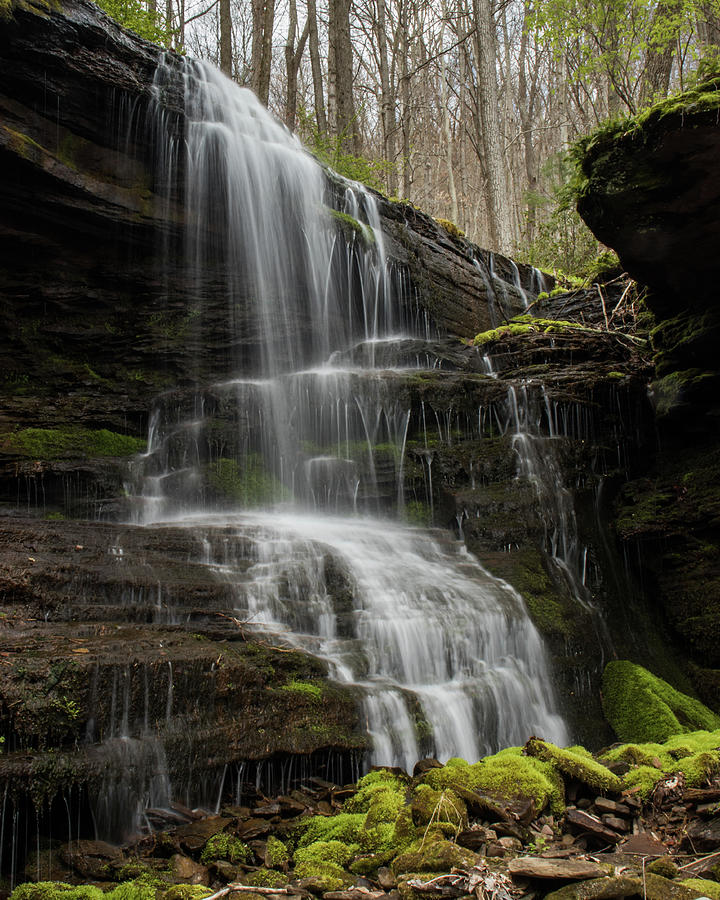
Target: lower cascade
444, 655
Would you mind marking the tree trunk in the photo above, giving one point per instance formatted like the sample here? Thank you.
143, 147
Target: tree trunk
225, 38
293, 57
664, 32
387, 99
316, 67
340, 76
263, 18
491, 139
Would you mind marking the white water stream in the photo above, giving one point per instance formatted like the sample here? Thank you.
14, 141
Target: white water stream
445, 655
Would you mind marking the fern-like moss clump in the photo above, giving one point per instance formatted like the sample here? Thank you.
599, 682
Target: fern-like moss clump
641, 707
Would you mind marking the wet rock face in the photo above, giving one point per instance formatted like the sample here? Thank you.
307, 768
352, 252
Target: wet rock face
652, 193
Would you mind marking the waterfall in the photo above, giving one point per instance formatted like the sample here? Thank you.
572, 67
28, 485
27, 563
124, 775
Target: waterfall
295, 460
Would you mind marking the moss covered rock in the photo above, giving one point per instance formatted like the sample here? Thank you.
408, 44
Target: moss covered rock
432, 856
641, 707
575, 763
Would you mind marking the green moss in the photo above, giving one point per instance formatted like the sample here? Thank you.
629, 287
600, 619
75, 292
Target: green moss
344, 827
184, 892
694, 754
433, 856
663, 866
145, 888
641, 707
527, 324
306, 688
438, 807
703, 886
328, 876
509, 775
575, 763
265, 878
324, 860
370, 863
277, 854
227, 847
452, 229
56, 890
51, 443
417, 513
351, 228
246, 484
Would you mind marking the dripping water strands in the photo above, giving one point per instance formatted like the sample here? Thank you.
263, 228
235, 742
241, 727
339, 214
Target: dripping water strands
299, 452
529, 411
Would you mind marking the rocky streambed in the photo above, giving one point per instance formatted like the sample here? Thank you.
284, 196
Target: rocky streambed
637, 820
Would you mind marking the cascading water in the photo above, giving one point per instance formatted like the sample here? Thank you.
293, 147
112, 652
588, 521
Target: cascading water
312, 429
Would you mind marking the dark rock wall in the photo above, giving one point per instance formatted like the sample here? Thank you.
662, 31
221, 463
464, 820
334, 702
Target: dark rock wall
651, 191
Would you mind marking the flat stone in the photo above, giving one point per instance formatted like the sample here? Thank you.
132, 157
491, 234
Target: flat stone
570, 869
385, 878
703, 835
195, 835
187, 871
91, 859
253, 828
353, 894
616, 823
612, 807
606, 888
422, 766
590, 825
643, 845
474, 838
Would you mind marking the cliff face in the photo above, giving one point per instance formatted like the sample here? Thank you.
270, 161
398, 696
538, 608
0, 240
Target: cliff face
651, 191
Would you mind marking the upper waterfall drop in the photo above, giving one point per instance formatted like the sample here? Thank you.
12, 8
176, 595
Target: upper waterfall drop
311, 425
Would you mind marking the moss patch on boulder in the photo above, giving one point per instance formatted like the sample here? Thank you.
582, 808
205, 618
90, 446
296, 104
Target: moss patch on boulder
641, 707
575, 763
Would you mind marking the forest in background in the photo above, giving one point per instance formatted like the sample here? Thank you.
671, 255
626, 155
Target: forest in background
465, 108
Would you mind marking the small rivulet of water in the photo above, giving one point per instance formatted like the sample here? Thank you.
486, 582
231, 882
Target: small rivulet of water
298, 453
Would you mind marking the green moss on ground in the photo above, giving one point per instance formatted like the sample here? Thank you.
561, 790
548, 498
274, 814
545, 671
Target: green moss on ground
695, 754
641, 707
575, 763
51, 443
508, 774
227, 847
140, 889
277, 854
432, 856
265, 878
703, 886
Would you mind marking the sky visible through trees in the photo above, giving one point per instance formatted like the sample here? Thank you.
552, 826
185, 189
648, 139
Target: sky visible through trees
463, 107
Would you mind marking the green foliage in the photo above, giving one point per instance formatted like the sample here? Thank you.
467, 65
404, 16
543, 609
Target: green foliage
225, 846
417, 513
330, 151
245, 483
51, 443
641, 707
134, 15
560, 240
